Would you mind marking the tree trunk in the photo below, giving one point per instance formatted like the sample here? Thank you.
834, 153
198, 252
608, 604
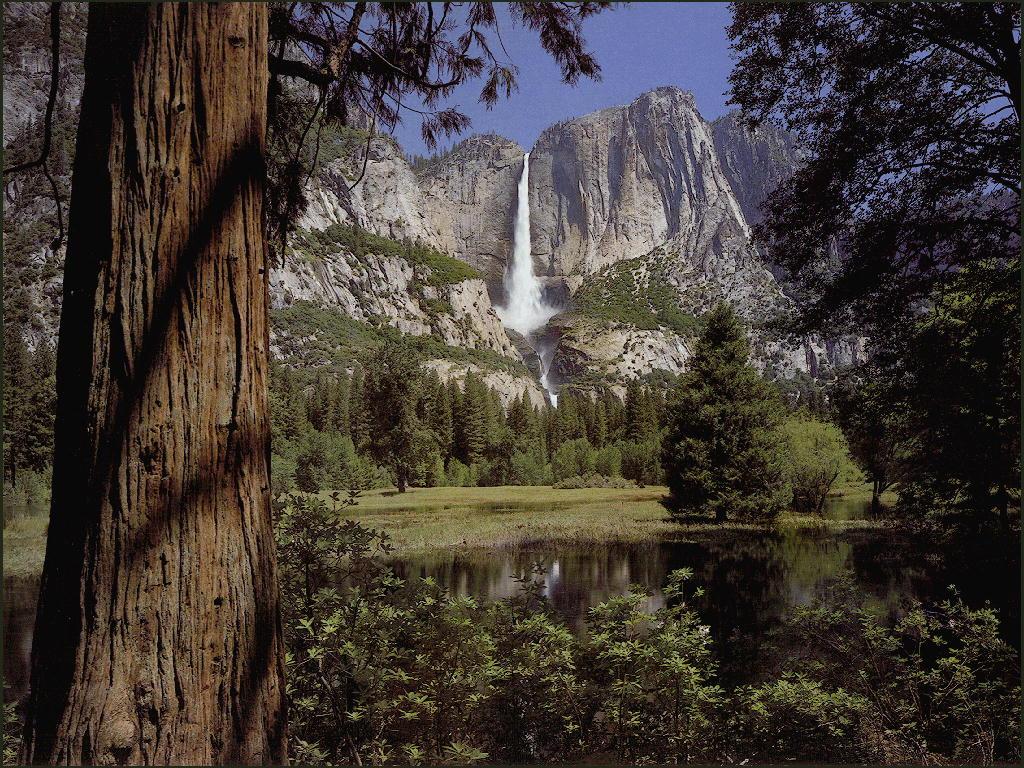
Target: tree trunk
402, 479
158, 638
876, 499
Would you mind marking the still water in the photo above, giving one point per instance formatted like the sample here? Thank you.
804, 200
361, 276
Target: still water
750, 581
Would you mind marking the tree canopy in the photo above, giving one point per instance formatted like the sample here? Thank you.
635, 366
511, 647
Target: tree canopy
722, 451
908, 117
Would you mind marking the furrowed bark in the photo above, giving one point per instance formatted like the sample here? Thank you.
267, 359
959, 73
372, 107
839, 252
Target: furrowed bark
158, 636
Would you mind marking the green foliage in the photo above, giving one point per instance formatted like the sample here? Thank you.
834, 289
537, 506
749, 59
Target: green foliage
382, 669
29, 403
938, 685
529, 468
817, 457
573, 458
656, 671
608, 461
641, 462
795, 718
392, 388
722, 452
439, 268
638, 293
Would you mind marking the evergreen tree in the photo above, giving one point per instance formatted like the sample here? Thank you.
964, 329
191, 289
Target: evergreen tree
438, 413
723, 450
391, 392
359, 427
340, 405
471, 427
16, 382
599, 427
319, 409
520, 417
28, 404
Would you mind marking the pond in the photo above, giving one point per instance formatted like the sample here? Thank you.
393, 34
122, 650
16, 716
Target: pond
751, 579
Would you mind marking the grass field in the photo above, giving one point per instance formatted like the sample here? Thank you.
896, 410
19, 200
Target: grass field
25, 545
425, 519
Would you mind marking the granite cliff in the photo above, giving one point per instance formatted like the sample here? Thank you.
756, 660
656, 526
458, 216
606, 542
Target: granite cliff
641, 218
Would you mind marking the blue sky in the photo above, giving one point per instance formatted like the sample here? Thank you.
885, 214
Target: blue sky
639, 47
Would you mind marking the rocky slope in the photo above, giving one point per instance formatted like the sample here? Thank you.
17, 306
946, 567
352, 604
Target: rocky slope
640, 222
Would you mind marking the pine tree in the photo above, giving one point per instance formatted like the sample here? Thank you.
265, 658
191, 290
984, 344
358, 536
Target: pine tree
391, 394
357, 416
599, 429
723, 450
439, 414
17, 378
473, 418
340, 404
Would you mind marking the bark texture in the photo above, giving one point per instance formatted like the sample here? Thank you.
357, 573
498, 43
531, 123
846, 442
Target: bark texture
158, 636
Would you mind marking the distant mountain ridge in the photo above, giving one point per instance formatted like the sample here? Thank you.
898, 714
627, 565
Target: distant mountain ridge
650, 184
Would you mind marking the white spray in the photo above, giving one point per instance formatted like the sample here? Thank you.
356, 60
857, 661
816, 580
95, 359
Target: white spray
525, 310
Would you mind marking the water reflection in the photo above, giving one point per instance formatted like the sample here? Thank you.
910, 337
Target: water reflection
750, 581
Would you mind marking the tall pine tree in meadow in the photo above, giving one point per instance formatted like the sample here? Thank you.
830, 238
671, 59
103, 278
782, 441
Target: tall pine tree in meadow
723, 451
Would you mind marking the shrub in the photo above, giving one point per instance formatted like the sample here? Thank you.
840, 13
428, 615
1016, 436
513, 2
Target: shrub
938, 685
457, 474
573, 458
817, 457
282, 474
795, 718
641, 462
529, 469
608, 461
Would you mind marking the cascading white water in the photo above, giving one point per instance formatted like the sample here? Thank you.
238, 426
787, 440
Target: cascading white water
525, 309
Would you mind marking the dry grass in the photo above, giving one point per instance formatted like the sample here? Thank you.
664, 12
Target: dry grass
433, 519
25, 545
424, 519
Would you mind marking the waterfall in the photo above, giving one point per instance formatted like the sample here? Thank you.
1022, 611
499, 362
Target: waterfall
525, 310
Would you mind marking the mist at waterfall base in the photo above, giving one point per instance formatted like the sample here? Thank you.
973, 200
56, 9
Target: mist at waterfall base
525, 309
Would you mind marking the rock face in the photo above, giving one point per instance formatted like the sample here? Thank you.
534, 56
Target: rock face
387, 200
27, 63
650, 183
390, 289
470, 196
617, 183
755, 162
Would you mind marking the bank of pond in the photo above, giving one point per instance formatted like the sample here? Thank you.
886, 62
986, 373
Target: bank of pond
745, 585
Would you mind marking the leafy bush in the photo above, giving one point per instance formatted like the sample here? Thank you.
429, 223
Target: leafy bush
641, 462
32, 488
457, 474
817, 457
573, 458
383, 670
938, 685
795, 718
527, 468
609, 461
